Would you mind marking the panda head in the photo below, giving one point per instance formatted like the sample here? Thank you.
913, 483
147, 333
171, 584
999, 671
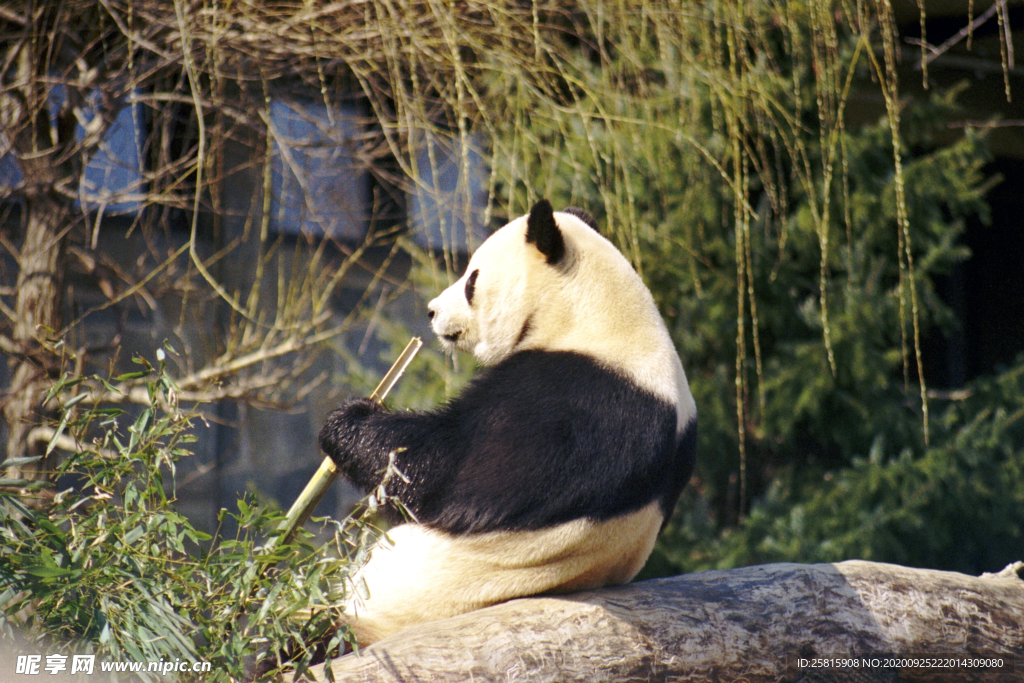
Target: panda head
550, 281
512, 287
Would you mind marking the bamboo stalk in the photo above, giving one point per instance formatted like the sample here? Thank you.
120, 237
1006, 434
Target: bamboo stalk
321, 481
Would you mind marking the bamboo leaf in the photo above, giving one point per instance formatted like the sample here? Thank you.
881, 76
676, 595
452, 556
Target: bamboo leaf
129, 376
134, 535
18, 462
48, 572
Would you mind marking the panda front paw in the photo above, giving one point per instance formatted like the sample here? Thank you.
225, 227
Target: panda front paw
340, 433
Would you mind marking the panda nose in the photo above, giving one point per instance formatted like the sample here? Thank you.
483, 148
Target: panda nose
430, 311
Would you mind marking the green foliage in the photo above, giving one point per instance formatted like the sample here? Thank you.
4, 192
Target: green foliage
110, 568
958, 506
820, 487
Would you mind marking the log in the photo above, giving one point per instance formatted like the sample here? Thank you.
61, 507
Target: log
753, 625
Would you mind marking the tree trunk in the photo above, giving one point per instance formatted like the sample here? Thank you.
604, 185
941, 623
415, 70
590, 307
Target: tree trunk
44, 153
37, 308
753, 625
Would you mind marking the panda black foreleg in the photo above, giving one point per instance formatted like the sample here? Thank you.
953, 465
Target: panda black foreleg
342, 440
361, 437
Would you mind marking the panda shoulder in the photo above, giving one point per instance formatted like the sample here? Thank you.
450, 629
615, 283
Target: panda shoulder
542, 377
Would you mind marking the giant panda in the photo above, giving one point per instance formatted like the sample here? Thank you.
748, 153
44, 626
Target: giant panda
557, 466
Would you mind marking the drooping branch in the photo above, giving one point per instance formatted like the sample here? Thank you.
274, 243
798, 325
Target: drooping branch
966, 32
753, 625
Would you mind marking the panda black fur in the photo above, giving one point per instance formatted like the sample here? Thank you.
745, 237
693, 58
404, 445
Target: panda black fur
540, 439
555, 469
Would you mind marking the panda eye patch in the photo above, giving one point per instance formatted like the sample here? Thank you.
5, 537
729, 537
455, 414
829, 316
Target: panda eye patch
471, 285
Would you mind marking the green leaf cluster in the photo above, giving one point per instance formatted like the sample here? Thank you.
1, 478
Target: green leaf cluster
959, 505
109, 567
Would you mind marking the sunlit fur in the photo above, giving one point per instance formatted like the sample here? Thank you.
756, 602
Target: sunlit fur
419, 574
590, 304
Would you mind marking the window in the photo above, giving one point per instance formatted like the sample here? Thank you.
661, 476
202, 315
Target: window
10, 173
317, 187
113, 180
437, 208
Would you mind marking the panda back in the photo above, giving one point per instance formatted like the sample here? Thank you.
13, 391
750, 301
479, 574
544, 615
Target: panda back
543, 438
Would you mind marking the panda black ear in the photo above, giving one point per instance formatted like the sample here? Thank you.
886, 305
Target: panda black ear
542, 231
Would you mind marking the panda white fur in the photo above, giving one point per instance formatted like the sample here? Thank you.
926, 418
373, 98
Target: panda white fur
556, 468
